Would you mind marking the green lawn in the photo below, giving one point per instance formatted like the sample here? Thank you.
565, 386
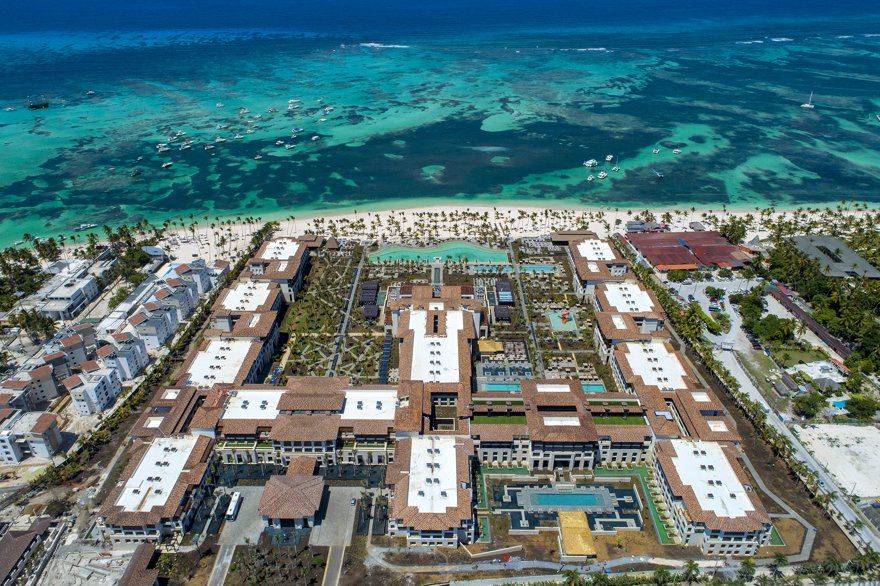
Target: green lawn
787, 356
776, 538
619, 420
510, 419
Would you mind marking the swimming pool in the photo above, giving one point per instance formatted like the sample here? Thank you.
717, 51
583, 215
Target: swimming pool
560, 323
565, 499
503, 387
593, 387
538, 268
454, 251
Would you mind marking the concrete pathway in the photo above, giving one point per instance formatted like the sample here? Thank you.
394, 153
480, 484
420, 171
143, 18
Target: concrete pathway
221, 565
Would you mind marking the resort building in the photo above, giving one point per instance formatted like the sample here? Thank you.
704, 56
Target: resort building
290, 501
445, 297
432, 498
159, 492
94, 389
125, 353
177, 296
26, 434
248, 310
18, 546
34, 386
709, 495
595, 261
195, 274
651, 365
613, 328
66, 292
225, 361
633, 299
154, 325
283, 261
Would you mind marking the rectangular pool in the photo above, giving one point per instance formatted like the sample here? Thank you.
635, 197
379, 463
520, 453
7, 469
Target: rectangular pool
503, 387
593, 387
565, 499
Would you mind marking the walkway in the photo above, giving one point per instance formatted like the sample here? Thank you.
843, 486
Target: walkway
343, 323
539, 363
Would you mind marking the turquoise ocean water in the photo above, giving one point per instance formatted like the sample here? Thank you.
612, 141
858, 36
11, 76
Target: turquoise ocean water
430, 103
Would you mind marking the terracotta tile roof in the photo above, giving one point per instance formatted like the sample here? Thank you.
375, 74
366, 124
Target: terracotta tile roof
16, 542
302, 466
137, 319
286, 269
40, 371
543, 407
5, 399
244, 327
71, 341
291, 496
174, 282
193, 473
72, 382
121, 336
16, 384
498, 432
182, 269
162, 293
90, 366
105, 351
140, 570
608, 325
422, 297
44, 422
598, 270
397, 477
624, 433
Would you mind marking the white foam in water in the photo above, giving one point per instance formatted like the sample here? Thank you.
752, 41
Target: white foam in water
781, 39
381, 46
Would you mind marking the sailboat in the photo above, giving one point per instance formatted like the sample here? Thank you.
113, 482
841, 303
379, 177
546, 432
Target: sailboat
878, 117
809, 105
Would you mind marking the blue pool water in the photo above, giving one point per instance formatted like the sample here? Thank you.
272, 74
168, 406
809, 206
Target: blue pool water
538, 268
841, 404
503, 387
566, 499
593, 387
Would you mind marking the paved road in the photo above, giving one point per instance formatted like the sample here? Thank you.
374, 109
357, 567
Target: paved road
221, 565
335, 529
246, 528
335, 557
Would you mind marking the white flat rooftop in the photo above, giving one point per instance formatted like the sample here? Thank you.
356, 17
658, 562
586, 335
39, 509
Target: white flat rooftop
705, 468
246, 296
435, 357
433, 485
153, 422
551, 388
170, 394
252, 404
618, 321
700, 397
561, 421
628, 298
156, 474
281, 249
220, 362
656, 365
595, 250
369, 404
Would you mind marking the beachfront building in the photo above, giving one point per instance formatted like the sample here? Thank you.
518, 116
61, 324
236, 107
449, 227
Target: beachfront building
595, 261
26, 434
66, 292
284, 261
159, 492
633, 299
432, 498
177, 296
248, 310
225, 361
125, 353
194, 273
94, 389
710, 497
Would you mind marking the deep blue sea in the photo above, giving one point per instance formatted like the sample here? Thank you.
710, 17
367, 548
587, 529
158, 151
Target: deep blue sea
165, 109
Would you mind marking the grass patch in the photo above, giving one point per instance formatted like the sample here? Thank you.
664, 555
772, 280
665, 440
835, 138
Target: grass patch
618, 420
499, 419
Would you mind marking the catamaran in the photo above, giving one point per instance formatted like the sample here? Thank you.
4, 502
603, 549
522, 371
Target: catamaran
809, 105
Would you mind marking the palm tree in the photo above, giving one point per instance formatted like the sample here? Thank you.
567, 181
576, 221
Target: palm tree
691, 572
572, 578
661, 577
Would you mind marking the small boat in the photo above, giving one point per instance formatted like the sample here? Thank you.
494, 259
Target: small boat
316, 137
90, 93
135, 172
243, 111
656, 151
294, 135
237, 136
218, 105
877, 115
161, 145
322, 120
290, 146
676, 151
10, 109
809, 105
84, 227
279, 143
657, 173
222, 126
208, 147
272, 110
166, 165
219, 140
591, 163
185, 146
292, 106
608, 158
590, 178
602, 174
615, 168
258, 157
163, 149
249, 131
41, 105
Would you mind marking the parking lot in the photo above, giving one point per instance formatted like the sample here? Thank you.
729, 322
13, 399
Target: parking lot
248, 524
336, 523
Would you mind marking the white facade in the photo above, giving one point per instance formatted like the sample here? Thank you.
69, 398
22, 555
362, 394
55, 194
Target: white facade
97, 392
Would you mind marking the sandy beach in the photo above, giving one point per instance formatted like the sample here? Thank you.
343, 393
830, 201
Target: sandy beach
424, 225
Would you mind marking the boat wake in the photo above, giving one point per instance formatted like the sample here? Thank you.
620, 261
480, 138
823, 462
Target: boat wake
383, 46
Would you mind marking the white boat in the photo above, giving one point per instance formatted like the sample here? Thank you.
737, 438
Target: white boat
602, 174
290, 146
294, 135
656, 151
258, 157
219, 105
676, 151
322, 120
591, 163
185, 146
237, 137
162, 149
809, 105
243, 111
316, 137
249, 131
160, 145
208, 147
590, 178
272, 110
279, 143
10, 109
166, 165
608, 158
90, 93
615, 168
878, 117
219, 139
